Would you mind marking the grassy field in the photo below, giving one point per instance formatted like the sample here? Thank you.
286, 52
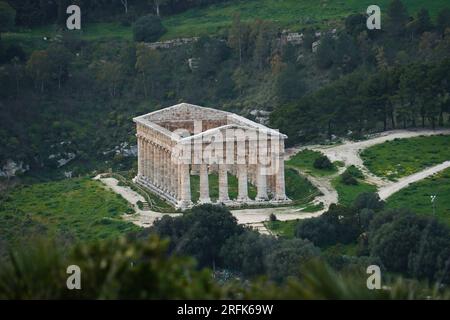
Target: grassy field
299, 189
285, 229
304, 161
348, 193
69, 210
215, 19
400, 157
293, 14
417, 196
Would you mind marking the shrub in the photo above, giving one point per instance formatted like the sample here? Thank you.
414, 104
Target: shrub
322, 162
148, 29
348, 179
273, 217
355, 172
368, 200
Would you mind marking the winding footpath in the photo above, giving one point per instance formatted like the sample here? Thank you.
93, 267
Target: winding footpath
347, 152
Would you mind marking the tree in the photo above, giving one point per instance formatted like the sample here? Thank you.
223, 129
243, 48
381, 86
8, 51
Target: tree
125, 5
346, 54
211, 53
7, 17
236, 36
201, 233
322, 162
368, 200
289, 84
148, 28
157, 4
110, 75
148, 63
287, 258
348, 179
355, 24
60, 58
264, 34
418, 246
246, 253
39, 66
325, 52
397, 18
421, 24
443, 20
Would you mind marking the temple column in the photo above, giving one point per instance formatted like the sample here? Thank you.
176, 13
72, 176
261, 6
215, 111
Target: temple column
280, 192
163, 169
280, 188
242, 183
166, 171
223, 184
204, 184
172, 175
185, 186
145, 157
140, 156
162, 166
150, 161
261, 184
156, 165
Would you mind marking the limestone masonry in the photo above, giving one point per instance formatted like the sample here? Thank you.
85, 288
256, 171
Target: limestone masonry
183, 140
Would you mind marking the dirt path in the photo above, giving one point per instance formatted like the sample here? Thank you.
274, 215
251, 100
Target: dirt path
141, 218
349, 152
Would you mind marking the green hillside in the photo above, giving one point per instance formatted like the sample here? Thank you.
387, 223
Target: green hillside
70, 210
216, 19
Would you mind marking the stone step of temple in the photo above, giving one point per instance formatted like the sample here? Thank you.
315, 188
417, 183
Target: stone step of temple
260, 227
145, 206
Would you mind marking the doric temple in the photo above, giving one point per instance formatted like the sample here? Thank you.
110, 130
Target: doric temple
178, 142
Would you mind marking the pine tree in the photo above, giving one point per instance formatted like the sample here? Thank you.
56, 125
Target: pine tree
397, 18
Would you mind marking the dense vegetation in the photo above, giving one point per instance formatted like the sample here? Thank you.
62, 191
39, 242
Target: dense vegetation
107, 274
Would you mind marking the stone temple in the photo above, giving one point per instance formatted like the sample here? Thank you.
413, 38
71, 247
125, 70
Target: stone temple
185, 140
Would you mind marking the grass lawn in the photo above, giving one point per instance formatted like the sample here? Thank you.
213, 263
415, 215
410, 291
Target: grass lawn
285, 229
304, 160
401, 157
216, 18
417, 196
293, 14
299, 189
69, 210
348, 193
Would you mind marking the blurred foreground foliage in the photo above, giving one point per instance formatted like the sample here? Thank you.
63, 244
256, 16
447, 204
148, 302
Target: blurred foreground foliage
134, 269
